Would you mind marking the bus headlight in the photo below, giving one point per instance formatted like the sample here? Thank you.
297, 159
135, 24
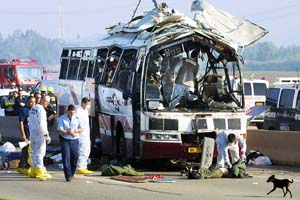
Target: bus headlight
161, 137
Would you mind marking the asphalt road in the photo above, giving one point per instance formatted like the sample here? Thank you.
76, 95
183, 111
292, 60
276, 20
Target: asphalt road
16, 186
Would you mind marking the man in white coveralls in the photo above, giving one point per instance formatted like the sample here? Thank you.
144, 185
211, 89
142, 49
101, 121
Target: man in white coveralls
232, 142
39, 137
84, 138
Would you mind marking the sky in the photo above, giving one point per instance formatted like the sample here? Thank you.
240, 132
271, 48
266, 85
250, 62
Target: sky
68, 19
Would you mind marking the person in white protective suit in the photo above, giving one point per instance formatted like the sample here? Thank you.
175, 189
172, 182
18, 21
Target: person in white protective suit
232, 142
84, 148
39, 137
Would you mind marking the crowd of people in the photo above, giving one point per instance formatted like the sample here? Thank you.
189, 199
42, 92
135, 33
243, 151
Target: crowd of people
36, 113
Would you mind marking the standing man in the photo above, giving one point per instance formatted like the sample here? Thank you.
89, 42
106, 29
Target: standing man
84, 138
232, 142
8, 104
69, 127
20, 101
39, 137
26, 159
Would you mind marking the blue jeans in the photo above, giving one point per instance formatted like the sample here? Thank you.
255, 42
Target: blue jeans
69, 149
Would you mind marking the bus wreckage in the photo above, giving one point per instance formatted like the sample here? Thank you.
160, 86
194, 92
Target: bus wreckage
162, 82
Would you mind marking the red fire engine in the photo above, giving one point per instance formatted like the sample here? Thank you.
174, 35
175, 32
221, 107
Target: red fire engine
19, 73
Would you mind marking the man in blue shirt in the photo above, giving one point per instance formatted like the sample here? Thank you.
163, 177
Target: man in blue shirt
69, 127
25, 161
20, 101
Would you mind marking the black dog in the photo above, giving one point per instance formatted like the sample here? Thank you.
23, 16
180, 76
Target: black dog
280, 183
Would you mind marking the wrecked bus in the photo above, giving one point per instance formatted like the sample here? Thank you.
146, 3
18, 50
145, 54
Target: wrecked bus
156, 83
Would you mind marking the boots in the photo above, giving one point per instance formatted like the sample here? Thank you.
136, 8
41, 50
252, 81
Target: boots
42, 174
32, 172
84, 171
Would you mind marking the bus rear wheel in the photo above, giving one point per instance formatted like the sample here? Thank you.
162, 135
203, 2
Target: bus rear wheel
122, 148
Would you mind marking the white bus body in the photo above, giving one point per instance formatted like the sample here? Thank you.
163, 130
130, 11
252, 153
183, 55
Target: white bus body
156, 85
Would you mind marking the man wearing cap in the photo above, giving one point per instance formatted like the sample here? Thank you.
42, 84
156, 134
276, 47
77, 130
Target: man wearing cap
39, 137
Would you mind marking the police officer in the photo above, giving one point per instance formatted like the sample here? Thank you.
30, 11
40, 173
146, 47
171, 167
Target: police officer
8, 104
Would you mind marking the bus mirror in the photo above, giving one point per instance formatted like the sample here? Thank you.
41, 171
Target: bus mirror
155, 105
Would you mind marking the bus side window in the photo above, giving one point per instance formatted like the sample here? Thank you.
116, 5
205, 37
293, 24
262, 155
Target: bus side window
286, 98
73, 69
111, 65
90, 69
84, 64
99, 65
64, 68
98, 69
82, 69
123, 75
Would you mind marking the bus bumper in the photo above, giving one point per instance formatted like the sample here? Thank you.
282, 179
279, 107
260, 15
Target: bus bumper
163, 150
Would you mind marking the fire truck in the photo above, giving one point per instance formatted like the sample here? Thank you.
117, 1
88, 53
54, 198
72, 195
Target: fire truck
19, 73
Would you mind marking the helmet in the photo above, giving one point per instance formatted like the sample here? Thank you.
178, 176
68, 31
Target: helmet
42, 88
13, 83
50, 89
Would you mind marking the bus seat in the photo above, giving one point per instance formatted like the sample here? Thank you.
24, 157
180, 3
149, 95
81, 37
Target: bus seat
213, 87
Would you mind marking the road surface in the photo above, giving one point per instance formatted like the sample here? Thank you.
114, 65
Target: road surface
16, 186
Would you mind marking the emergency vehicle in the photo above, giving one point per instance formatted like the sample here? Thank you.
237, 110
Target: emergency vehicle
286, 80
19, 73
284, 108
255, 97
156, 83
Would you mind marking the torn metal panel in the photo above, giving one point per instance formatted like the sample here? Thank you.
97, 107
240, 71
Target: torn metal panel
239, 32
208, 21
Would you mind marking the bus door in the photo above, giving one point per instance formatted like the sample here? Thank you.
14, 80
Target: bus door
123, 83
94, 67
109, 101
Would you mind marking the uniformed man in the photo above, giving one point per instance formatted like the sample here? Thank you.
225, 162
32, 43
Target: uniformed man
8, 104
25, 161
20, 101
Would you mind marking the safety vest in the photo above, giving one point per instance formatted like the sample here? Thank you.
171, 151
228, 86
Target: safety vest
9, 104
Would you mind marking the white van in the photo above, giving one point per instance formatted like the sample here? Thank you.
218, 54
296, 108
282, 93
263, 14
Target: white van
286, 80
255, 92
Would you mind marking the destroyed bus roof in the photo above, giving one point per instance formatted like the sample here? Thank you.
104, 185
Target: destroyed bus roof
163, 23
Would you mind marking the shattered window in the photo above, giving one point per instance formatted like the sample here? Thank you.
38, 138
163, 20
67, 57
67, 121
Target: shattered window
123, 74
190, 75
111, 65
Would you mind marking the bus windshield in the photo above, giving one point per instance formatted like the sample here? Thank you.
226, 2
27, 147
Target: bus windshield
29, 73
188, 75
